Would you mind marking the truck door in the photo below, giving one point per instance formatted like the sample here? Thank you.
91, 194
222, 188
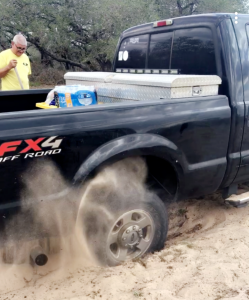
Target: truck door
241, 29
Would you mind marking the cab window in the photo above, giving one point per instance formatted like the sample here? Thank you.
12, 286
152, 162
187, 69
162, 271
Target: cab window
159, 51
193, 51
132, 52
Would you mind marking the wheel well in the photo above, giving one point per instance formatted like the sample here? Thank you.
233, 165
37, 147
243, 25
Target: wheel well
162, 177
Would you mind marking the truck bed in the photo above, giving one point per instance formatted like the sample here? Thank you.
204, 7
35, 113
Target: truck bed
21, 100
193, 133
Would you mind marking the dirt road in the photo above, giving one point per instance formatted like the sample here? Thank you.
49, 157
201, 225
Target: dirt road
205, 257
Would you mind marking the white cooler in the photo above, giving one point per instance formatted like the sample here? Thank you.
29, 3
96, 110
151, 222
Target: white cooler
120, 87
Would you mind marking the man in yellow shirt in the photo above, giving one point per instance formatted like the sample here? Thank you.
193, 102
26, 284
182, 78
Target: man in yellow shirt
15, 58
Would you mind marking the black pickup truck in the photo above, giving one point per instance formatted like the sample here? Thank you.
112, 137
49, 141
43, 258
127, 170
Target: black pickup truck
191, 148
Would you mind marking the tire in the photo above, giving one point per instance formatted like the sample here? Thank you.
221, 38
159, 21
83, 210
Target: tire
123, 226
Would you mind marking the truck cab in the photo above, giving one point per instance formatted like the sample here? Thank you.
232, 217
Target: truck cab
210, 44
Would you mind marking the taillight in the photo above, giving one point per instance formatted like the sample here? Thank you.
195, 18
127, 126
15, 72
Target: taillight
163, 23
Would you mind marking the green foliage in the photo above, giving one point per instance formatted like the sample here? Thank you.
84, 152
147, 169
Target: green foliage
82, 34
80, 31
175, 8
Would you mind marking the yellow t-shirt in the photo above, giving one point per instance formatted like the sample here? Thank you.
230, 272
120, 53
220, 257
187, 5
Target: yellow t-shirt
10, 81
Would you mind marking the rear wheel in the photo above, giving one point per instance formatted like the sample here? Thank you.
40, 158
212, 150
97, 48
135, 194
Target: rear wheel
140, 229
118, 218
127, 233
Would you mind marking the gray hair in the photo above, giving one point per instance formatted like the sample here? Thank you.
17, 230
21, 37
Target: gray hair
20, 39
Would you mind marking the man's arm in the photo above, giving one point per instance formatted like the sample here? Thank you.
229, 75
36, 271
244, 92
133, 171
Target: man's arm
4, 71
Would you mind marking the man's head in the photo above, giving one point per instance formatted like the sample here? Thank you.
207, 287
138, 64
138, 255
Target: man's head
19, 44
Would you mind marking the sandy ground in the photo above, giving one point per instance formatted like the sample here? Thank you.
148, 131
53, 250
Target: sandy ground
206, 257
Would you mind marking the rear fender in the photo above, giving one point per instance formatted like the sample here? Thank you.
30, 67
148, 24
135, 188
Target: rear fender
133, 145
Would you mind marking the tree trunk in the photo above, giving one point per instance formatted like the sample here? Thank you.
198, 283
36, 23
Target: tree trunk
180, 9
46, 53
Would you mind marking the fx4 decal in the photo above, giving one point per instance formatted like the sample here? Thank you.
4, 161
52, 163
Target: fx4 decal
36, 146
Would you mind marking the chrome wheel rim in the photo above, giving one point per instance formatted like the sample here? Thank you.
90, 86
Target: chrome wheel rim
131, 235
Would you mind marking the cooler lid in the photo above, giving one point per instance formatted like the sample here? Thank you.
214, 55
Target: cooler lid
90, 76
166, 80
159, 80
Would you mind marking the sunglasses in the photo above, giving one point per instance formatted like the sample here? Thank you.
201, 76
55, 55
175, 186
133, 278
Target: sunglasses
19, 48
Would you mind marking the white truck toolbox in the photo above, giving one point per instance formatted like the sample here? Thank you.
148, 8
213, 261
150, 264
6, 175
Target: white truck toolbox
118, 87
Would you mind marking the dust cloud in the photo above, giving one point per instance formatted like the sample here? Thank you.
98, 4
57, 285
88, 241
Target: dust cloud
71, 229
114, 188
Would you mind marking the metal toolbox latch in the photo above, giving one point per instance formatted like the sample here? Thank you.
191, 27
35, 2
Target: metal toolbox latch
196, 91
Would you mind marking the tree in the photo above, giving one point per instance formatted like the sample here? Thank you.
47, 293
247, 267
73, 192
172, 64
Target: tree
76, 33
175, 8
83, 34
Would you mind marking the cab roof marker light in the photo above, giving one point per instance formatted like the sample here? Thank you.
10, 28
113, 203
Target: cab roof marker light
149, 71
163, 23
164, 71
